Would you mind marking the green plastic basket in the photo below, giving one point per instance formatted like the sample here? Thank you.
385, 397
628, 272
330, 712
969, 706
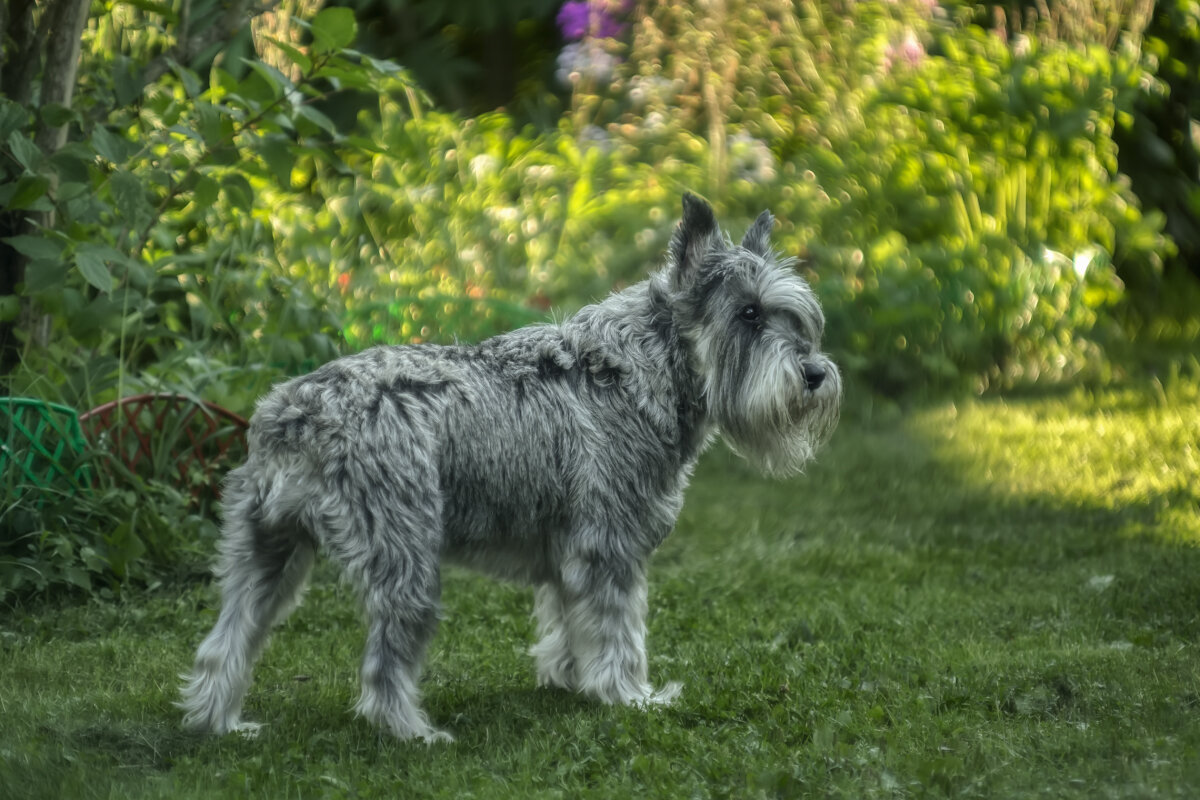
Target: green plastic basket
42, 442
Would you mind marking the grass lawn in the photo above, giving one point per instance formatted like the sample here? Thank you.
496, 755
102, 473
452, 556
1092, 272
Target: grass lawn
991, 599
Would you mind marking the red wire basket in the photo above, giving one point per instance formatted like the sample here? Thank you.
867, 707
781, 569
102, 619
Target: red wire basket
169, 436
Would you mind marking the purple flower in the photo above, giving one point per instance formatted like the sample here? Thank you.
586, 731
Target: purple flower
579, 18
572, 19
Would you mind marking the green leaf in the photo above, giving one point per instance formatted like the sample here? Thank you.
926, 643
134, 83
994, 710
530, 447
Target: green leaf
29, 189
109, 145
27, 154
215, 127
273, 77
238, 191
383, 66
190, 80
78, 577
90, 261
10, 307
128, 81
317, 118
278, 156
347, 76
206, 192
333, 29
35, 246
186, 132
295, 56
130, 197
72, 190
45, 275
56, 114
13, 117
72, 161
92, 560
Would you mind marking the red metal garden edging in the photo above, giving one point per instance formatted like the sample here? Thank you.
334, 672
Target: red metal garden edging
205, 429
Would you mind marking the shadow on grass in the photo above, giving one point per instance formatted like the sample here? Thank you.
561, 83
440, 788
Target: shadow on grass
90, 761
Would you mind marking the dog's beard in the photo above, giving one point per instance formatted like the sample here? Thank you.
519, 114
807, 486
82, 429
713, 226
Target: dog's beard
771, 418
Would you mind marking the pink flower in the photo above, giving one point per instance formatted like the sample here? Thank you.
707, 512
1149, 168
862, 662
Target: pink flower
910, 52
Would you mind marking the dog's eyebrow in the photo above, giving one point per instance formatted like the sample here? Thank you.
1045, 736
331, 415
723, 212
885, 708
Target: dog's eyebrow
801, 309
810, 332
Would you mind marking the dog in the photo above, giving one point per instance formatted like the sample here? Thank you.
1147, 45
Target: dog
555, 455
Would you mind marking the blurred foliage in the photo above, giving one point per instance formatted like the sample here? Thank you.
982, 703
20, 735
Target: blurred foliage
1160, 149
984, 216
470, 55
958, 197
1073, 22
217, 223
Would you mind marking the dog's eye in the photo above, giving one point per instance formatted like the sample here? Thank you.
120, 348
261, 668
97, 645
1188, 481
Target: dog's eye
749, 313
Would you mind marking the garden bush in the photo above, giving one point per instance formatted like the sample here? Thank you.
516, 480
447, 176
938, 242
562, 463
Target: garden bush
954, 197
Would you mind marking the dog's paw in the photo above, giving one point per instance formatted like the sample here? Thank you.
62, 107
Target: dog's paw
664, 696
434, 736
249, 730
558, 676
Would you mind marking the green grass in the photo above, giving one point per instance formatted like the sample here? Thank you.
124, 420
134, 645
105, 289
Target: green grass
991, 599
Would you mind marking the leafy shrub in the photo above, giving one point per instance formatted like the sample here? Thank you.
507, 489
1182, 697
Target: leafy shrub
981, 216
462, 229
97, 540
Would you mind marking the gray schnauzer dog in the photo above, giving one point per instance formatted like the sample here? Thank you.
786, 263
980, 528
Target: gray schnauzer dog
555, 455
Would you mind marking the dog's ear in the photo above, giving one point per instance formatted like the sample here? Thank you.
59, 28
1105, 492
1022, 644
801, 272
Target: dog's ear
696, 235
758, 239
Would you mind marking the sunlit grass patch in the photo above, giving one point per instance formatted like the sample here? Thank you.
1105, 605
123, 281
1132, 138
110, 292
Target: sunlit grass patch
1132, 451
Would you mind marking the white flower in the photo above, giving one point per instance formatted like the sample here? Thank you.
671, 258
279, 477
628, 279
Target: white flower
750, 159
585, 60
483, 165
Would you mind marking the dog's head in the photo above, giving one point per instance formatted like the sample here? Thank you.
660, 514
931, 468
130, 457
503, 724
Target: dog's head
755, 328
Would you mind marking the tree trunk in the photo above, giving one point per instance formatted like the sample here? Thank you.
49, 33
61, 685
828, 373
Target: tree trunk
21, 52
61, 28
67, 18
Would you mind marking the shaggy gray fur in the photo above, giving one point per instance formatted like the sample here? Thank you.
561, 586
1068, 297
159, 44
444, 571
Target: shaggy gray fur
555, 455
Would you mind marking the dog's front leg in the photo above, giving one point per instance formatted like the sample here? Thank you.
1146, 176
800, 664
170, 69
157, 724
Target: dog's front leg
604, 605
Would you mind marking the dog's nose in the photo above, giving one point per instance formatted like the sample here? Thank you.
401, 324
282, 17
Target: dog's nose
814, 376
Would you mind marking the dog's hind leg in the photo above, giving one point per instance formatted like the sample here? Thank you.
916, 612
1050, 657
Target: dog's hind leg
262, 571
402, 615
388, 544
